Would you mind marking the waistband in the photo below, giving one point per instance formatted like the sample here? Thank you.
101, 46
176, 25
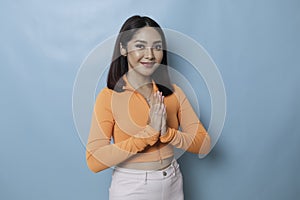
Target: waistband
144, 174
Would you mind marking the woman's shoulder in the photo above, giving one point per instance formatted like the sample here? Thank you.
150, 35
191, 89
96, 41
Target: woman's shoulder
105, 93
106, 90
177, 90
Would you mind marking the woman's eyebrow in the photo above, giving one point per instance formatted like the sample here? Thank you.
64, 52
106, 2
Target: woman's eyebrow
142, 41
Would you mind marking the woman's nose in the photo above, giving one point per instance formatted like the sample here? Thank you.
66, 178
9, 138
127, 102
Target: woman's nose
149, 53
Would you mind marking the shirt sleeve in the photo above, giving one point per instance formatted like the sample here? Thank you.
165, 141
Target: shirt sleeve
100, 153
193, 137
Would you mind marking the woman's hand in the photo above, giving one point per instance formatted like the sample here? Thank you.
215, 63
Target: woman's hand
163, 129
157, 110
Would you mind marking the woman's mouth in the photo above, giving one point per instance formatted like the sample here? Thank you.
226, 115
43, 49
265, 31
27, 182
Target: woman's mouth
148, 64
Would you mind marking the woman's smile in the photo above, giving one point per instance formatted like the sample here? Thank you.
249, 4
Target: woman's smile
148, 64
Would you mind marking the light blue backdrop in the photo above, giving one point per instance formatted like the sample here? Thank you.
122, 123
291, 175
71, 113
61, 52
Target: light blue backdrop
254, 43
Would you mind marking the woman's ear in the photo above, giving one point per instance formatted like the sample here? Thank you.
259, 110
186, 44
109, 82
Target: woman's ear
123, 50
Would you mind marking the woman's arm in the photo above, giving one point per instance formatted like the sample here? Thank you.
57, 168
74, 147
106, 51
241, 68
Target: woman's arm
100, 153
193, 136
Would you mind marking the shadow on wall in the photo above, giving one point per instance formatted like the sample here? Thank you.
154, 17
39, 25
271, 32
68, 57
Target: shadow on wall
194, 169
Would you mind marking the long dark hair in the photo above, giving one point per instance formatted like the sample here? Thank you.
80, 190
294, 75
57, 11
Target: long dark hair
119, 64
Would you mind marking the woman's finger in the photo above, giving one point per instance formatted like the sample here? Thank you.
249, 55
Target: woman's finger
160, 97
157, 97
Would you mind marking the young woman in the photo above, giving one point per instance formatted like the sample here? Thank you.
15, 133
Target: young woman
141, 111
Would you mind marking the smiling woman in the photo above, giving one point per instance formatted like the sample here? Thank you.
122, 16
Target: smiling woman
144, 52
141, 111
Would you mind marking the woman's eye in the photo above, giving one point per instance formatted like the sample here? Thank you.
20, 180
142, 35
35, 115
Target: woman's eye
158, 47
139, 46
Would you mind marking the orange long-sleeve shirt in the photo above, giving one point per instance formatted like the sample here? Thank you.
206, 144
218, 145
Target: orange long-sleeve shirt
123, 117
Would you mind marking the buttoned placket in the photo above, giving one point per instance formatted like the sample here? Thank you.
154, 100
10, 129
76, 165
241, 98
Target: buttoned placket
130, 88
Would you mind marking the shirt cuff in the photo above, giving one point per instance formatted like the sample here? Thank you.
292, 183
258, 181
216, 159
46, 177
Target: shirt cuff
170, 134
149, 135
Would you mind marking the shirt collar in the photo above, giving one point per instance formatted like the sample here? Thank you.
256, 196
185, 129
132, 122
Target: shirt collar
129, 87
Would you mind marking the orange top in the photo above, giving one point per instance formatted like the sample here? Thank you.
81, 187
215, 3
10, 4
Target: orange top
123, 117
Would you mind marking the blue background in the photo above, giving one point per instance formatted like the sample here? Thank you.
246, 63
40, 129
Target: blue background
255, 45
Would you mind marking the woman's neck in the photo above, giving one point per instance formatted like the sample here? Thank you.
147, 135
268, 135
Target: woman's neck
138, 81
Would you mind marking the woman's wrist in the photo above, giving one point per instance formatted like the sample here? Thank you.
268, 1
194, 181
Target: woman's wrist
153, 126
163, 131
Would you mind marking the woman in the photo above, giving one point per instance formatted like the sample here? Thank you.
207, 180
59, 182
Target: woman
141, 111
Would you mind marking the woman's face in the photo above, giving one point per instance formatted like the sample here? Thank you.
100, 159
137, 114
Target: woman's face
145, 51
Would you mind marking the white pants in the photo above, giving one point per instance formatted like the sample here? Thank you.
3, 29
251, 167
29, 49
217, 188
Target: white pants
131, 184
